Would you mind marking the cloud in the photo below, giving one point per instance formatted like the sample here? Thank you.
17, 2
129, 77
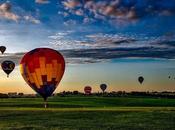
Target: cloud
31, 19
102, 47
88, 20
106, 47
5, 7
70, 4
119, 10
101, 40
42, 1
83, 56
64, 14
103, 9
112, 53
79, 12
70, 22
166, 13
15, 57
166, 41
5, 12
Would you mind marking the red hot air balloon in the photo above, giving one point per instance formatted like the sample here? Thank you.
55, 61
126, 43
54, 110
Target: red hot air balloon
42, 69
2, 49
8, 66
87, 90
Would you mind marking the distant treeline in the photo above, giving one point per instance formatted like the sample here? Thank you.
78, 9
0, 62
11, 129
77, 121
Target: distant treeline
164, 94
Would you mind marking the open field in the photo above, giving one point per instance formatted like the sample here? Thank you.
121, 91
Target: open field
98, 113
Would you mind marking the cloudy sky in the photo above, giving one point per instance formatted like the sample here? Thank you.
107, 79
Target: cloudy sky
102, 41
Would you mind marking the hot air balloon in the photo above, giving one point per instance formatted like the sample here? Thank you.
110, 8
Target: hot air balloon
87, 90
141, 79
8, 66
42, 69
103, 87
2, 49
169, 77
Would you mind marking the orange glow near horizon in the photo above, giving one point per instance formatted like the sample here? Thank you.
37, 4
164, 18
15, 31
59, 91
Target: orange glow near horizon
123, 78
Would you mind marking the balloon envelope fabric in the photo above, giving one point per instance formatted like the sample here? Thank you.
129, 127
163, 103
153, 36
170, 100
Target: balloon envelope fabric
87, 89
42, 69
8, 66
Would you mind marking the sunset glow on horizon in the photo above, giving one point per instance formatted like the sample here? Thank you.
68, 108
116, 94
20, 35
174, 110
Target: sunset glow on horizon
122, 75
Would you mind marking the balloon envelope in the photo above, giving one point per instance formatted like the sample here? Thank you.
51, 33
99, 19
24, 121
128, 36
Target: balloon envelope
42, 69
103, 87
141, 79
8, 66
2, 49
87, 89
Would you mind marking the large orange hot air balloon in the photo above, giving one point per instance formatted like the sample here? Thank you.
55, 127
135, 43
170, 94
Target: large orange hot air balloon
42, 69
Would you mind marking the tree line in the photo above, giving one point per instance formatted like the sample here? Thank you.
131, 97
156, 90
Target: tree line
164, 94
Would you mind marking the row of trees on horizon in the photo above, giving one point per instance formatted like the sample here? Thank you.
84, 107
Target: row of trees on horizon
163, 94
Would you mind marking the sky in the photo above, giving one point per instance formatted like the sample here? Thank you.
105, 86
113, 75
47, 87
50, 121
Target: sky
103, 41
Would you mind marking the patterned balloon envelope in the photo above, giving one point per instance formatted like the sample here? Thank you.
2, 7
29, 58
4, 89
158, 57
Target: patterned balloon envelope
2, 49
8, 66
42, 69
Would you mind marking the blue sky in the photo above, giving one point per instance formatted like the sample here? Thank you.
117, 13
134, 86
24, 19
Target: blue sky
94, 31
79, 24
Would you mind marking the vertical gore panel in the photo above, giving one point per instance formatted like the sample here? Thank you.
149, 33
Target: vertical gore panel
55, 67
42, 61
58, 72
38, 74
21, 68
29, 75
35, 80
49, 72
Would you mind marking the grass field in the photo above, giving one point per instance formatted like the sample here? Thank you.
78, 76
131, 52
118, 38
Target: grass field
86, 113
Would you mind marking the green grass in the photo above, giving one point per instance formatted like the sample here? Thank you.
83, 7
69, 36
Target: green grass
81, 102
86, 113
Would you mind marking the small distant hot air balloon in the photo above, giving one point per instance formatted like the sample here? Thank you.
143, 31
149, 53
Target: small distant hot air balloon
103, 87
87, 90
169, 77
8, 66
2, 49
141, 79
42, 69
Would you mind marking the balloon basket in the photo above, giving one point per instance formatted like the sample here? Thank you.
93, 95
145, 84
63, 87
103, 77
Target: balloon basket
45, 103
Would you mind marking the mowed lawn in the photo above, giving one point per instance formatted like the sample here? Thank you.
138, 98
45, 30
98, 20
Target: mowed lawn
86, 113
